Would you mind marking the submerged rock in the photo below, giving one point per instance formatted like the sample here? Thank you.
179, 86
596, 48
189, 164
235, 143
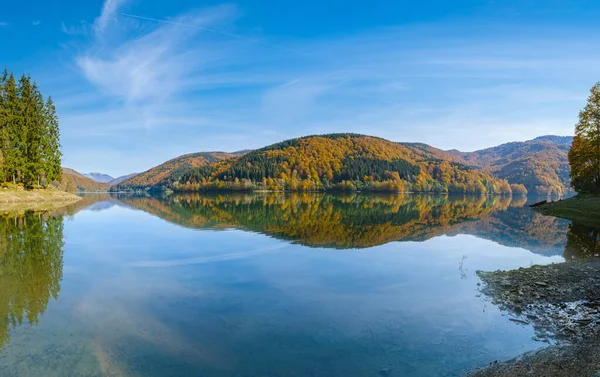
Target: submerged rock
562, 303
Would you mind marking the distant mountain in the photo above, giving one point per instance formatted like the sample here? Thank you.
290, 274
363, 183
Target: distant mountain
122, 178
99, 177
541, 164
161, 175
560, 140
73, 181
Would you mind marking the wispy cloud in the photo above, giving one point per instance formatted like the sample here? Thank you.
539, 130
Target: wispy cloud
83, 28
36, 23
152, 66
197, 80
108, 16
4, 23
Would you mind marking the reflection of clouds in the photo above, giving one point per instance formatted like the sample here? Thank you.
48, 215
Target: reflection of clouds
412, 282
106, 361
208, 259
117, 320
219, 300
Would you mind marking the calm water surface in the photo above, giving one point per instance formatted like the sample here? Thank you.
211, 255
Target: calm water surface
267, 285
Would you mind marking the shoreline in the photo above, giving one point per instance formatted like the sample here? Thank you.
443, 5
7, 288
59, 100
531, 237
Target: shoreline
584, 209
39, 200
562, 304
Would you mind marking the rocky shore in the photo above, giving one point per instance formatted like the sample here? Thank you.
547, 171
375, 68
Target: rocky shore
562, 303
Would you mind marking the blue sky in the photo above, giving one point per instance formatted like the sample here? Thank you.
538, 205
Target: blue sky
138, 82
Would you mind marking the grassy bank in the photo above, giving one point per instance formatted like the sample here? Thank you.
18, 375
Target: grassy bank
19, 200
584, 209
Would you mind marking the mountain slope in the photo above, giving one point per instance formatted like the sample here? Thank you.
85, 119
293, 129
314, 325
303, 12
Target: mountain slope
541, 164
342, 162
161, 175
122, 178
99, 177
73, 181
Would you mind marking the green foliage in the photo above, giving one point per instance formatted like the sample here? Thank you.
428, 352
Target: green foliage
584, 156
29, 134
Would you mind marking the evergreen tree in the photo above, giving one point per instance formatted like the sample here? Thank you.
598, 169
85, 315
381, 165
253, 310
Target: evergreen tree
12, 130
31, 111
29, 134
3, 117
584, 156
51, 146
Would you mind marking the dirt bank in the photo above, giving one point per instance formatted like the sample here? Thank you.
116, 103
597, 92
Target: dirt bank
18, 200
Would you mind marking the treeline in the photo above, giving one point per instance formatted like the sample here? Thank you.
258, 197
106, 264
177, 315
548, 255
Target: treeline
29, 134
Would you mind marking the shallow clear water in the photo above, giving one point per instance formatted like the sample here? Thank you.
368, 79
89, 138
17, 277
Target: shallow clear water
265, 285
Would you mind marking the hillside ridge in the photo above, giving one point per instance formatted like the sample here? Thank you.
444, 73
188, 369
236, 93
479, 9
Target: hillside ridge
539, 165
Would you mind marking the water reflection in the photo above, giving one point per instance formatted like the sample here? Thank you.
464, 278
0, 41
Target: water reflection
582, 242
31, 261
143, 297
361, 221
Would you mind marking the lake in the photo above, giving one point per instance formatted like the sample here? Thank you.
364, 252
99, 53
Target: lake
267, 284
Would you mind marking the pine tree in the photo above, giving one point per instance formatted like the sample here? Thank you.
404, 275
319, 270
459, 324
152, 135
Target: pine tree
31, 111
584, 156
3, 117
29, 134
51, 144
12, 130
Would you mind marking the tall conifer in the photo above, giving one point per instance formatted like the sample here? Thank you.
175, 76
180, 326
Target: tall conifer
29, 134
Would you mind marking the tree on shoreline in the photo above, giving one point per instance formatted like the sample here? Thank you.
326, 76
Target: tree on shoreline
29, 134
584, 156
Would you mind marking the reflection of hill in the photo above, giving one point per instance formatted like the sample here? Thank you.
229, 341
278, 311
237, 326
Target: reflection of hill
92, 202
521, 227
31, 260
357, 221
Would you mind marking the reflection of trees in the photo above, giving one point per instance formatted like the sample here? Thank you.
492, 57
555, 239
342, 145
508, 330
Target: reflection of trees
324, 220
31, 260
582, 241
521, 227
355, 220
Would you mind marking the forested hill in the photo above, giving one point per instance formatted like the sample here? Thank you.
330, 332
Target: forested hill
541, 164
334, 162
73, 181
162, 175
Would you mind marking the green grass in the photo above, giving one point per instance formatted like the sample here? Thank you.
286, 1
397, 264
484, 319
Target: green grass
584, 209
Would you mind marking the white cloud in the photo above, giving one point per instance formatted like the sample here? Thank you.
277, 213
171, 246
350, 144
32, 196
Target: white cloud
108, 16
153, 66
181, 81
36, 23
